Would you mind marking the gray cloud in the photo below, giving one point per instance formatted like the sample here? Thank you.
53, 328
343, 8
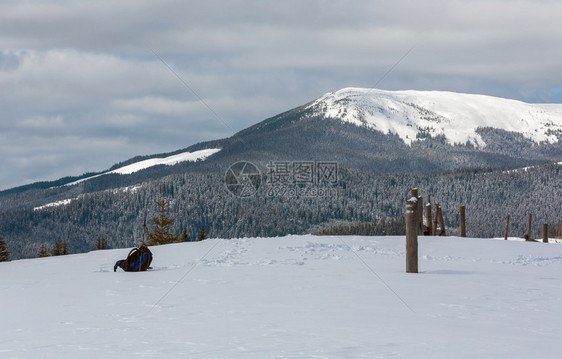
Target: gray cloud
81, 87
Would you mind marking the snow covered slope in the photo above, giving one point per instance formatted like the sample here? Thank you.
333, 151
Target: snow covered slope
454, 115
290, 297
168, 161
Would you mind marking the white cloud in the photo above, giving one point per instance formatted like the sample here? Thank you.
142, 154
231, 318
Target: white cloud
66, 77
42, 123
87, 69
125, 120
155, 105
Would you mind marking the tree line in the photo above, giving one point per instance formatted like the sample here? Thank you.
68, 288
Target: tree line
4, 253
202, 201
161, 233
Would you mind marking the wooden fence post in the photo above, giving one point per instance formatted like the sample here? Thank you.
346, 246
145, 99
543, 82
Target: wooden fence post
506, 227
429, 230
434, 231
441, 223
411, 236
463, 221
415, 194
419, 212
528, 235
545, 233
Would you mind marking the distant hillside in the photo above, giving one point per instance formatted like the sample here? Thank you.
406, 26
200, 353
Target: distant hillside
360, 196
456, 147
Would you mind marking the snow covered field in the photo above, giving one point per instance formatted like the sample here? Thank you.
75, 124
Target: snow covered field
290, 297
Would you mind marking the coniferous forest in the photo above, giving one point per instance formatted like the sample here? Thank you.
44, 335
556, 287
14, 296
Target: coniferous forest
202, 200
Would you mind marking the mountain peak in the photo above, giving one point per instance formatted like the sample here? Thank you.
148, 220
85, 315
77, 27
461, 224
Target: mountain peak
455, 116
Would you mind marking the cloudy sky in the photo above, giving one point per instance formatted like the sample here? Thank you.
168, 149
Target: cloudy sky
86, 84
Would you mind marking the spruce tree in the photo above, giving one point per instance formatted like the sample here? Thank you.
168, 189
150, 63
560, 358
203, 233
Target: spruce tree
184, 236
101, 243
4, 254
43, 251
161, 234
57, 249
202, 234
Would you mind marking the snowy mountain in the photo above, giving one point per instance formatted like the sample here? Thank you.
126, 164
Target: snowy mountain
455, 116
457, 148
289, 297
381, 131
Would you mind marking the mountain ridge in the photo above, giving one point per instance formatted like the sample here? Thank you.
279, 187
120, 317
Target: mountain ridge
406, 113
396, 115
375, 170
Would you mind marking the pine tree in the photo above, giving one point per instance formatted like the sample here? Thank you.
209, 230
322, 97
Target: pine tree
161, 234
43, 252
202, 234
57, 249
4, 254
101, 243
184, 236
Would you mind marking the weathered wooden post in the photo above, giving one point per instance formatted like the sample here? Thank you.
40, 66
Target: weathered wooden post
463, 221
434, 231
528, 235
506, 227
411, 236
419, 212
441, 223
545, 233
415, 194
428, 231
